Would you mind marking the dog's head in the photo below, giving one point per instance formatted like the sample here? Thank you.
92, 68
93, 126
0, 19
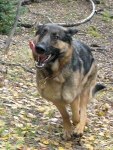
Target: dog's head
51, 42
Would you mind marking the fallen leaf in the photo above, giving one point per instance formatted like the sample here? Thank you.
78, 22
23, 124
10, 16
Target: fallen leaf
101, 113
61, 148
55, 143
89, 146
46, 142
91, 138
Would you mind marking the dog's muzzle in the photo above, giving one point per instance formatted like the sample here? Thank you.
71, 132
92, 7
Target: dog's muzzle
39, 50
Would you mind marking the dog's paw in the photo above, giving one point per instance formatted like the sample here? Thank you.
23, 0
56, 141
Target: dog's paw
78, 132
67, 134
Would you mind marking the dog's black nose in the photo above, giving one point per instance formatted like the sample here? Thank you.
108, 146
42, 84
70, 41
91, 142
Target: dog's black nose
40, 48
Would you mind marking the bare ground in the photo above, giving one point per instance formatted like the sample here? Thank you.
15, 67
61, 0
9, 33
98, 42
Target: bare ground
27, 122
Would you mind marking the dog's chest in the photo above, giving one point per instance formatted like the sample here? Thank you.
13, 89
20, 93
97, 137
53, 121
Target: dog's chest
51, 90
57, 91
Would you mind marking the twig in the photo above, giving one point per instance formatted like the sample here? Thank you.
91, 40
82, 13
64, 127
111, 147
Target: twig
26, 25
49, 19
8, 41
26, 2
101, 82
98, 50
6, 72
99, 11
95, 45
82, 21
35, 13
11, 64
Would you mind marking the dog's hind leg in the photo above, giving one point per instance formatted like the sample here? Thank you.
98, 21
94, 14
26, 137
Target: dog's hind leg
75, 107
67, 133
85, 97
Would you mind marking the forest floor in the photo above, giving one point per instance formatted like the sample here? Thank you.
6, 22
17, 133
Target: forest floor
28, 122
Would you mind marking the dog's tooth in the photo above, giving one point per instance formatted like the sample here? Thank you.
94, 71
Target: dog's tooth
48, 58
38, 58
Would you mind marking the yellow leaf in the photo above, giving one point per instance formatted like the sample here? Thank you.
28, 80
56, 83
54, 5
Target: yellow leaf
101, 134
91, 138
46, 118
89, 146
55, 143
111, 88
102, 77
68, 144
14, 107
2, 123
22, 147
42, 145
101, 113
20, 125
31, 115
15, 94
41, 109
61, 148
1, 110
6, 135
46, 113
46, 142
1, 84
104, 92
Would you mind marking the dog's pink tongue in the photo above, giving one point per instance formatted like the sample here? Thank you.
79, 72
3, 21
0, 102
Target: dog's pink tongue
32, 45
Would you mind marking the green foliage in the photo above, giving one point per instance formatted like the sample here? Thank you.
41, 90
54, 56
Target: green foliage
106, 16
92, 30
7, 15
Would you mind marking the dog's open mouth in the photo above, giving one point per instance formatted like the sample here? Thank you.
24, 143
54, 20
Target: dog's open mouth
42, 59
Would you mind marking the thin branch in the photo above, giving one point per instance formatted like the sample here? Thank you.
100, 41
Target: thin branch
12, 64
95, 45
6, 72
26, 25
100, 50
64, 24
49, 19
33, 12
8, 41
82, 21
26, 2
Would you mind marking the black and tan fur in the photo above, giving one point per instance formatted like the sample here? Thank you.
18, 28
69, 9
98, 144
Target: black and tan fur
68, 77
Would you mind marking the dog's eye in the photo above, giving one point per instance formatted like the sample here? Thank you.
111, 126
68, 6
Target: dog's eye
43, 32
55, 37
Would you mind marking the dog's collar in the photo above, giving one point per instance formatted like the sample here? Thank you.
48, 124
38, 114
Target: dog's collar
42, 82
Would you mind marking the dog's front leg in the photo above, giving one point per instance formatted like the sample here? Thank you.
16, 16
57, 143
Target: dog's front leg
75, 107
67, 133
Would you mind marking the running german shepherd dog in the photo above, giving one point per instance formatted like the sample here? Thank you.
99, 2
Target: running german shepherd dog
66, 73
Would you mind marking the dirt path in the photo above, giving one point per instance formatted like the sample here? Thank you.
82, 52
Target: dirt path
27, 122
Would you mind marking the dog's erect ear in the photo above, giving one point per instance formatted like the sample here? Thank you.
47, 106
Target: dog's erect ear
68, 34
71, 31
39, 28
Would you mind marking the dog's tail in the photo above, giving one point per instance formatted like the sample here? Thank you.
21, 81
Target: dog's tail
97, 88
